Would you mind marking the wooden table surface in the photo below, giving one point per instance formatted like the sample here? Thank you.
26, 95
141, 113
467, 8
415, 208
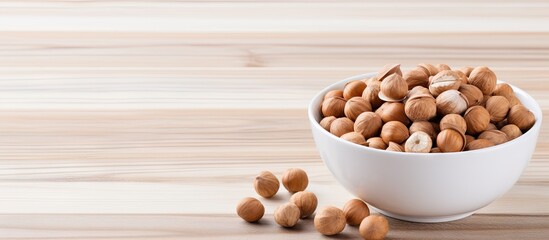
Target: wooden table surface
149, 119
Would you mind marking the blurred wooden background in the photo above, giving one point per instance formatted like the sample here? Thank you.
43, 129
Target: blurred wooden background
149, 119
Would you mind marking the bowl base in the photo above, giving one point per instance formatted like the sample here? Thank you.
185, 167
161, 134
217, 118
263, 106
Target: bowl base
425, 219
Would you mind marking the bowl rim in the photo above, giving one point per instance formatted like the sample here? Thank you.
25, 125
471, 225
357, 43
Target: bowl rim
314, 124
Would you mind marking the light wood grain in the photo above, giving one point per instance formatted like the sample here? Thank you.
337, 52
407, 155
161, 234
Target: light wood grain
149, 119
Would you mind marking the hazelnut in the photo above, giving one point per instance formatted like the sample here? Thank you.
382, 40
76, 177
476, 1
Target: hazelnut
387, 70
503, 89
491, 126
330, 221
371, 94
354, 137
477, 119
250, 209
484, 100
334, 106
393, 111
287, 215
417, 77
393, 88
453, 121
461, 77
497, 106
306, 202
266, 184
424, 126
513, 100
295, 180
334, 93
353, 89
451, 101
418, 142
374, 227
418, 91
522, 117
355, 106
494, 136
478, 144
394, 147
468, 139
420, 108
341, 126
512, 131
368, 124
371, 80
326, 122
376, 142
429, 68
394, 131
473, 94
484, 79
466, 70
355, 211
442, 67
435, 150
443, 81
450, 140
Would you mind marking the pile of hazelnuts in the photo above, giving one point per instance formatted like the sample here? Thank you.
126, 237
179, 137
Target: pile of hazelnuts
329, 220
428, 109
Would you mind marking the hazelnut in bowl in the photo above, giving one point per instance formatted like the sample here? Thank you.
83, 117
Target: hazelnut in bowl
440, 162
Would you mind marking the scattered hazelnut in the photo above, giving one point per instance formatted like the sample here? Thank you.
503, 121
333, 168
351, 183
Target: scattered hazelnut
330, 221
295, 180
250, 209
477, 119
393, 88
430, 68
393, 111
371, 94
374, 227
473, 94
334, 106
484, 79
368, 124
478, 144
494, 136
450, 140
424, 126
418, 142
420, 108
453, 121
451, 101
306, 202
512, 131
355, 106
376, 142
266, 184
498, 107
387, 70
466, 70
443, 81
355, 211
522, 117
354, 137
326, 122
287, 215
341, 126
394, 131
418, 76
353, 89
394, 147
334, 93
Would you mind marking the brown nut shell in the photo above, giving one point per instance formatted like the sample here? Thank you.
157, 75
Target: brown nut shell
326, 122
512, 131
451, 101
354, 137
443, 81
483, 78
472, 93
287, 215
371, 94
503, 89
355, 106
250, 209
266, 184
498, 107
393, 88
376, 142
522, 117
429, 68
387, 70
494, 136
424, 126
450, 140
353, 89
393, 111
466, 70
420, 108
374, 227
355, 211
461, 77
394, 131
330, 221
417, 77
478, 144
334, 106
477, 119
295, 180
341, 126
453, 121
306, 202
394, 147
334, 93
368, 124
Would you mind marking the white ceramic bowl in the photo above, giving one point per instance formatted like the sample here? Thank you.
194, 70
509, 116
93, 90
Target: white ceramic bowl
424, 187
